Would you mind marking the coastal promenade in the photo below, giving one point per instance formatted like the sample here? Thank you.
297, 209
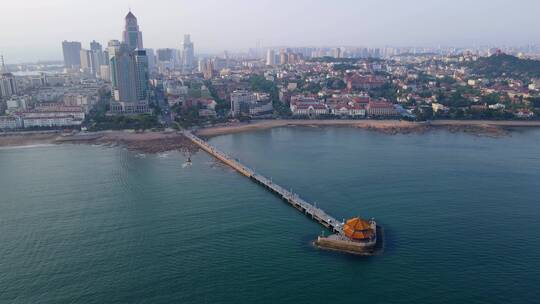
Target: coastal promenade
290, 197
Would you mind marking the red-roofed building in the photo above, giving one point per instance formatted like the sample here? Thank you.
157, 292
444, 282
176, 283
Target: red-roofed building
364, 82
308, 106
205, 103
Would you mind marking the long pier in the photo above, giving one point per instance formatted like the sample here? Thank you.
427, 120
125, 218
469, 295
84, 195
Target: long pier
292, 198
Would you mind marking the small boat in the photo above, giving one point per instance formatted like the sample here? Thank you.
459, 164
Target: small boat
188, 162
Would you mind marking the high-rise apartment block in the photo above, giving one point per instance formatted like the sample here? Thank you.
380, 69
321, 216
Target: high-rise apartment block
188, 54
71, 51
129, 71
270, 57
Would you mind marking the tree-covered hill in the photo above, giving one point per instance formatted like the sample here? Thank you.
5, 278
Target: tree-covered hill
505, 65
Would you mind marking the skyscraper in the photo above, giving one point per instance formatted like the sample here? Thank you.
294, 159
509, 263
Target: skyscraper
140, 59
165, 54
95, 46
336, 53
151, 60
270, 57
71, 50
112, 47
99, 57
93, 59
188, 54
132, 35
87, 62
123, 75
129, 77
3, 67
129, 71
283, 57
8, 83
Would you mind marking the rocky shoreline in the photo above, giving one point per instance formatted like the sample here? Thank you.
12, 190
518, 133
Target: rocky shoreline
477, 130
391, 127
164, 141
145, 142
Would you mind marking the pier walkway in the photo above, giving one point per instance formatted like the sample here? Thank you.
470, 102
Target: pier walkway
290, 197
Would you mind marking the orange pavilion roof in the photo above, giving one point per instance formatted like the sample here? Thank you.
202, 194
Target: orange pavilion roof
358, 229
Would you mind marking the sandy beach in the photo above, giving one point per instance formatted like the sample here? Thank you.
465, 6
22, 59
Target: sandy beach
27, 139
478, 127
156, 142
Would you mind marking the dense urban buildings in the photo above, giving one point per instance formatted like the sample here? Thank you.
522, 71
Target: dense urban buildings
250, 103
181, 88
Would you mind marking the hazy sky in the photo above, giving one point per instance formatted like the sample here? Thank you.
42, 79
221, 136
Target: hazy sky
33, 29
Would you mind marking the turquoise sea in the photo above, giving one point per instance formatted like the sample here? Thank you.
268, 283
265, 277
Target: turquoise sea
90, 224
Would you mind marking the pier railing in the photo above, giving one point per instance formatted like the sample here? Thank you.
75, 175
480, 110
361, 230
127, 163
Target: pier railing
290, 197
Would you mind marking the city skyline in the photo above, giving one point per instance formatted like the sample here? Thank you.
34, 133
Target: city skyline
228, 25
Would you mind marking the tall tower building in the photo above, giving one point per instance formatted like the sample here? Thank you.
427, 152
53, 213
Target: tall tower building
112, 47
71, 51
283, 57
91, 61
3, 67
151, 60
99, 57
87, 62
336, 53
129, 75
128, 67
140, 60
270, 57
95, 46
188, 54
165, 54
132, 35
8, 83
124, 75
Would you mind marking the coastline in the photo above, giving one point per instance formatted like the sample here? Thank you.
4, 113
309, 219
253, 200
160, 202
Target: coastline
476, 127
146, 142
157, 142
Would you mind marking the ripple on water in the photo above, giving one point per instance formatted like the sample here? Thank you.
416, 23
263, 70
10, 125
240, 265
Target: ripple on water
81, 224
